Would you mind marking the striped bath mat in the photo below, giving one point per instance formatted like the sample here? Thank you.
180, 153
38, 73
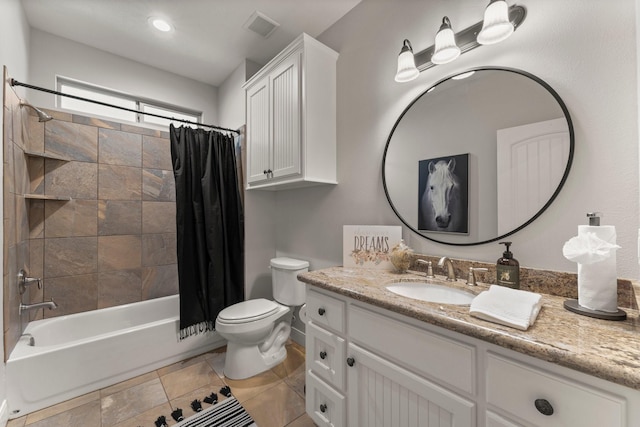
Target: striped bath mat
228, 413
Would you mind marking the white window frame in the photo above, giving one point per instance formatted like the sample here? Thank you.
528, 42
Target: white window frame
135, 102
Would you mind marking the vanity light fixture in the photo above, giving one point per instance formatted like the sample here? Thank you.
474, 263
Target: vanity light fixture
446, 49
407, 70
496, 25
491, 30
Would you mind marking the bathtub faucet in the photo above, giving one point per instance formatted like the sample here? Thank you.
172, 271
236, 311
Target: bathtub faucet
51, 305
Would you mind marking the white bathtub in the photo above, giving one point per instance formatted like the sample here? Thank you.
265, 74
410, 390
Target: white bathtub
79, 353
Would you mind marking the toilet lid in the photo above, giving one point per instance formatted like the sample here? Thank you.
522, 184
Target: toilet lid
248, 311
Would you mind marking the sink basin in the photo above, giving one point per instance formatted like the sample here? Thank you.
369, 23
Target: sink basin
431, 292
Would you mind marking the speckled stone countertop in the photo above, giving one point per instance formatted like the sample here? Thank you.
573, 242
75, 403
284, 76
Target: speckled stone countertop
605, 349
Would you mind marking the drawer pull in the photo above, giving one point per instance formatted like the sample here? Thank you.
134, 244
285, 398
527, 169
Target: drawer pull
323, 355
323, 408
351, 361
321, 311
544, 407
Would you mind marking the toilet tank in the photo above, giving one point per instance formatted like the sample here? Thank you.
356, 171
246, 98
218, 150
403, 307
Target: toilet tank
287, 289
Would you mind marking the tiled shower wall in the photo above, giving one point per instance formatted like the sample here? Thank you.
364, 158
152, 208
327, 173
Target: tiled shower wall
114, 242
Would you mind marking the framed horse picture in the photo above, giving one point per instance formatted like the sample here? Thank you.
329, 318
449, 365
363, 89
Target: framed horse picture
443, 194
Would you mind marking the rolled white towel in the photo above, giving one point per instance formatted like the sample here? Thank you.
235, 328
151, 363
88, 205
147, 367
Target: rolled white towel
510, 307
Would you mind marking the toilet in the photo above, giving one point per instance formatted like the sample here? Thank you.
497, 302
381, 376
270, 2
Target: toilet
256, 330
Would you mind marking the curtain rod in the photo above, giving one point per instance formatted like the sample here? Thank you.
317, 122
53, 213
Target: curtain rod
14, 82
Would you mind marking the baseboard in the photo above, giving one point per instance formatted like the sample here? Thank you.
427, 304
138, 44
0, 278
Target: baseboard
298, 336
4, 413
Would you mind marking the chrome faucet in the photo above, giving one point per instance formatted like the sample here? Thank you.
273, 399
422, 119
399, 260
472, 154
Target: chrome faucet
471, 279
446, 262
24, 280
429, 272
51, 305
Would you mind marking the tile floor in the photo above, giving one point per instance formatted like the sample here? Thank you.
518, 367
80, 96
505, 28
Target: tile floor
274, 398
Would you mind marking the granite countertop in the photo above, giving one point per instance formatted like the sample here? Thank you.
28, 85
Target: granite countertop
605, 349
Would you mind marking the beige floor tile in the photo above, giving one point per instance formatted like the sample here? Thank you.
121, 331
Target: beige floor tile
191, 378
302, 421
181, 365
149, 417
128, 383
277, 408
129, 403
216, 359
297, 381
250, 387
17, 422
62, 407
294, 362
84, 415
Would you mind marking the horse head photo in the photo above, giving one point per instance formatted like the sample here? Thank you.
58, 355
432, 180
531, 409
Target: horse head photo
443, 194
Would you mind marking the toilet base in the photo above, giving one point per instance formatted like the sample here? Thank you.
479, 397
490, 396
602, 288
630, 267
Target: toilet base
246, 361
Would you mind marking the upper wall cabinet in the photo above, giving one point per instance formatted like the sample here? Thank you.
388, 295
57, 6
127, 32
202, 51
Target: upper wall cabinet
291, 118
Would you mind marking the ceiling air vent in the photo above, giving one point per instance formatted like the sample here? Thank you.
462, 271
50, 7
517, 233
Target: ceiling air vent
261, 24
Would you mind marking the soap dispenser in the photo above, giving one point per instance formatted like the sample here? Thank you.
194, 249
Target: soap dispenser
508, 269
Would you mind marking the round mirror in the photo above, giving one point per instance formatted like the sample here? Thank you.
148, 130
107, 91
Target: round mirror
478, 156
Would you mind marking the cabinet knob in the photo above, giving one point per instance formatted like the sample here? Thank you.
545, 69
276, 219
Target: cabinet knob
544, 407
264, 171
321, 311
351, 361
323, 355
323, 408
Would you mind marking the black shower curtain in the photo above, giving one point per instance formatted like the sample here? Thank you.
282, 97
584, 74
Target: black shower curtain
210, 226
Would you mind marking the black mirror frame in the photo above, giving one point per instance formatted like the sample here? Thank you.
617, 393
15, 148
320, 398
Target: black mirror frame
553, 196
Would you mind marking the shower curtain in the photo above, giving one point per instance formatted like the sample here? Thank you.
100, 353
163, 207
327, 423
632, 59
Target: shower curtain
210, 226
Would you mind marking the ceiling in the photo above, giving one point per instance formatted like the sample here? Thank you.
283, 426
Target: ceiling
208, 41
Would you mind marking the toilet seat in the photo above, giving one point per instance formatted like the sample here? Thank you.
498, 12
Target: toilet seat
248, 311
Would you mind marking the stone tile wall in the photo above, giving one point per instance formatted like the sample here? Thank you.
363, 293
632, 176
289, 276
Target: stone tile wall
16, 244
114, 242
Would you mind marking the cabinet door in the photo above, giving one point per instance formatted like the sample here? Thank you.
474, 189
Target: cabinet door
258, 140
381, 393
286, 117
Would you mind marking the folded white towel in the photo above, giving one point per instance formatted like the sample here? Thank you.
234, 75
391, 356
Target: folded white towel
510, 307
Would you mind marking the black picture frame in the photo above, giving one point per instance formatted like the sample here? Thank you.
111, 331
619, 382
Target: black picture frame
443, 205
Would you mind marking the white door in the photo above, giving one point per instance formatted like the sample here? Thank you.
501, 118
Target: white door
258, 141
531, 161
381, 394
286, 117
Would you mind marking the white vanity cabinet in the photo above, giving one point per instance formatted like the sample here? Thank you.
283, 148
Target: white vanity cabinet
379, 371
367, 366
291, 118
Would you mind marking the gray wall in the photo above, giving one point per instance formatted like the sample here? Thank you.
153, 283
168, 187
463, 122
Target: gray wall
570, 44
52, 56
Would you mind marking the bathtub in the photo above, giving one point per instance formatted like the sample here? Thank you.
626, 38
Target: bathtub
64, 357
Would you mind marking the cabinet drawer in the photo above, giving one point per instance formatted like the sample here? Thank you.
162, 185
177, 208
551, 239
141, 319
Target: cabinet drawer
325, 310
326, 355
435, 356
495, 420
325, 406
515, 387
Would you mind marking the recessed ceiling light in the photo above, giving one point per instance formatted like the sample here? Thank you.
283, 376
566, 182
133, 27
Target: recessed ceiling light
160, 24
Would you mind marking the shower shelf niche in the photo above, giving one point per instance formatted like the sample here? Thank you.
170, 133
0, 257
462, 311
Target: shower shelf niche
45, 197
43, 155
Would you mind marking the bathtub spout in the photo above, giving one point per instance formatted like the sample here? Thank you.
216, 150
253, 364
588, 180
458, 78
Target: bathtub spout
51, 305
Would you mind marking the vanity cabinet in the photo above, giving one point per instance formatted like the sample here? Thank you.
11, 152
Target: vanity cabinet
291, 118
369, 366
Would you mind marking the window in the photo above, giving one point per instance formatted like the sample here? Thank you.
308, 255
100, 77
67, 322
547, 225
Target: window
85, 90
